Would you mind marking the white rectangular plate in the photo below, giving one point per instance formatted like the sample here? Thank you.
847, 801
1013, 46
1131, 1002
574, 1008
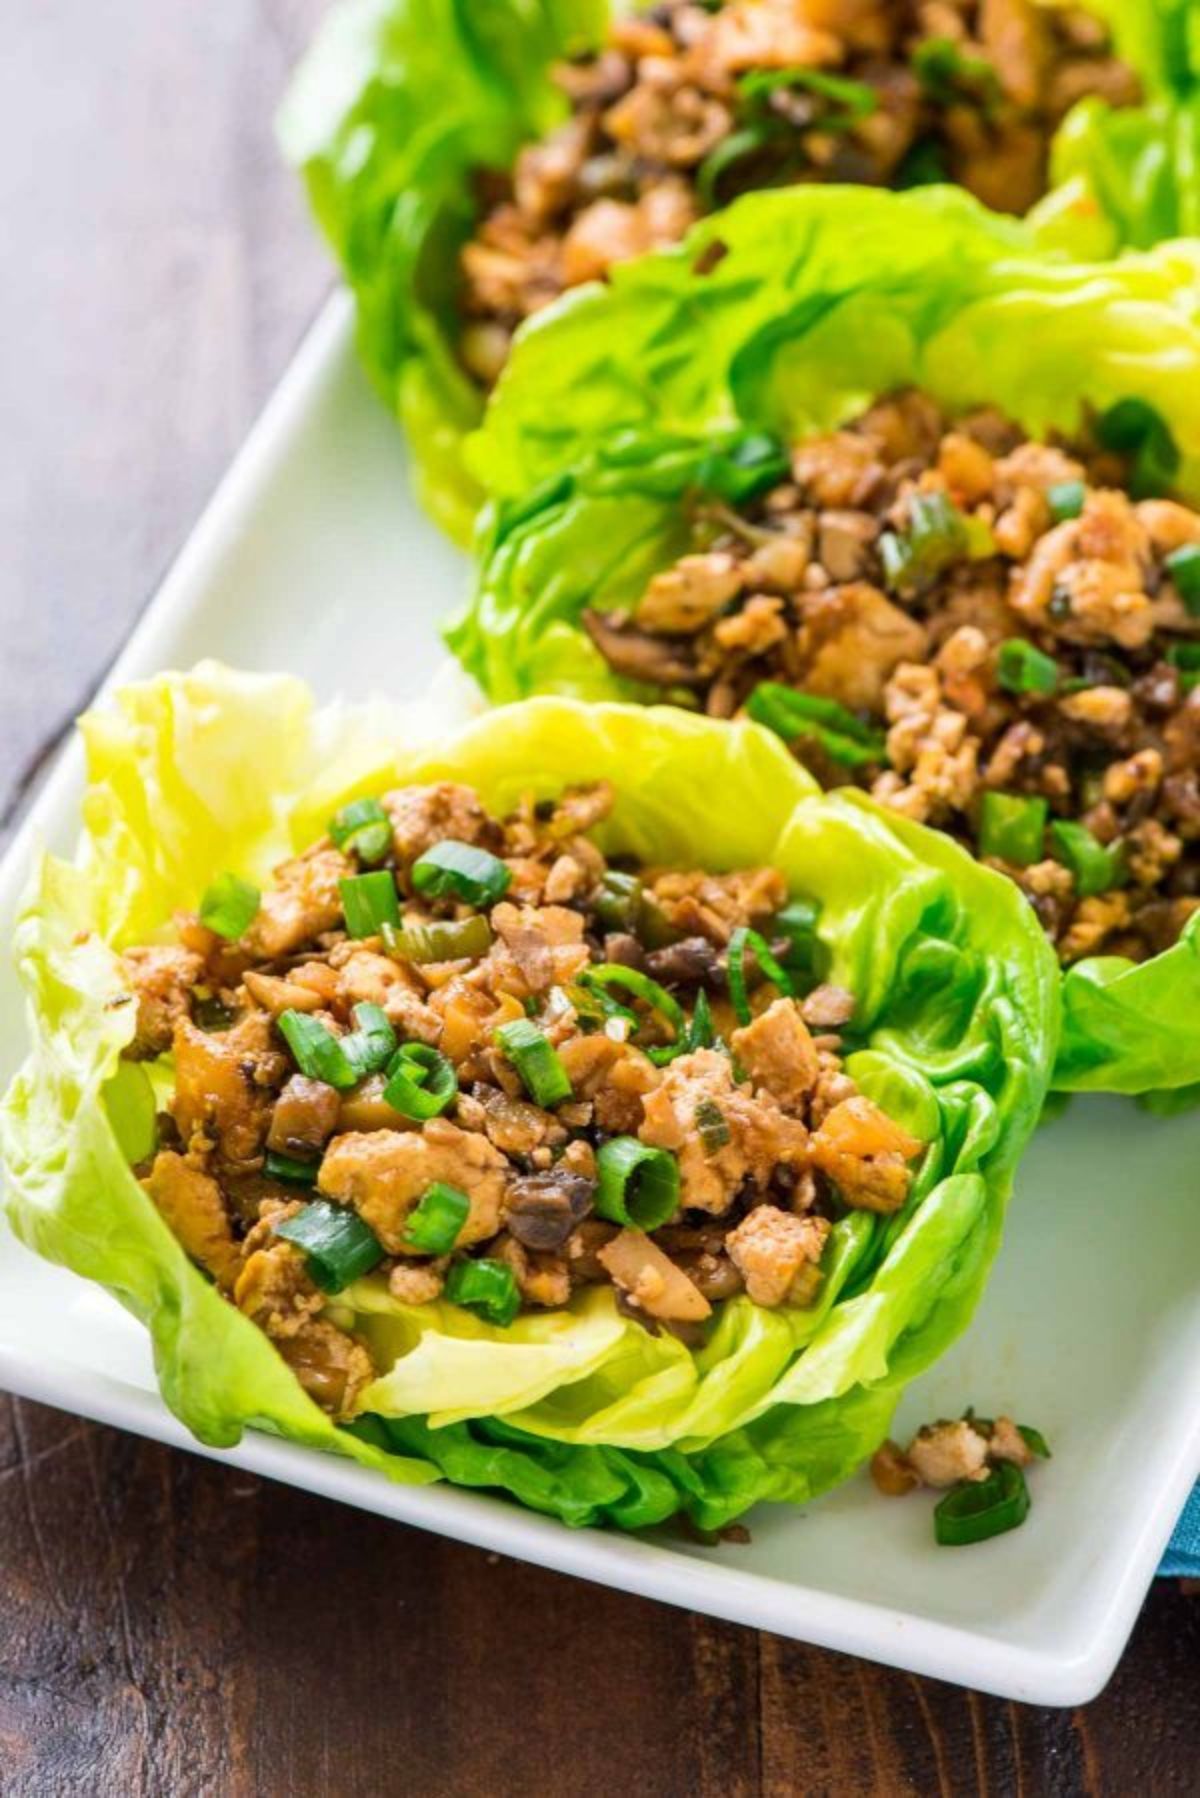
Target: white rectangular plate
314, 558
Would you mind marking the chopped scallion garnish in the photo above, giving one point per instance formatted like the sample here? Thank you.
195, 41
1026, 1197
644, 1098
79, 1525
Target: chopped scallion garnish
447, 939
638, 986
421, 1082
1065, 500
618, 900
1097, 869
806, 957
536, 1061
1012, 828
797, 716
486, 1287
363, 829
373, 1042
712, 1124
936, 536
369, 902
978, 1509
435, 1224
454, 870
742, 944
230, 906
289, 1168
316, 1051
338, 1245
636, 1185
1186, 657
1023, 668
1183, 566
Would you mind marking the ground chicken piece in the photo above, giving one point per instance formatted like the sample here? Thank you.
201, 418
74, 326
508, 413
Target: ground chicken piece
845, 541
611, 231
754, 629
542, 1279
162, 980
841, 471
423, 816
191, 1204
833, 1086
1151, 851
761, 34
1039, 466
713, 905
273, 1286
930, 743
966, 467
964, 664
778, 1053
770, 1248
515, 1126
305, 1117
278, 995
613, 1076
1141, 773
304, 901
224, 1084
1094, 921
865, 1153
1086, 577
1006, 1443
779, 563
1168, 525
539, 947
544, 173
1019, 525
415, 1282
365, 978
384, 1173
942, 1454
1021, 742
761, 1139
852, 641
1107, 710
1043, 880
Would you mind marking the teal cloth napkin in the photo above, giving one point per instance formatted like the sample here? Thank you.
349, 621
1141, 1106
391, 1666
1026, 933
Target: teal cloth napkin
1182, 1559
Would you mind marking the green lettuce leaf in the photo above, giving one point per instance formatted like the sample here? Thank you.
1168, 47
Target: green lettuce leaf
580, 1412
400, 103
625, 399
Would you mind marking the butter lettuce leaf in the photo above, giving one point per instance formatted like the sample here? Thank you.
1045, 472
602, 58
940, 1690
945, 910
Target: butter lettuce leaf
624, 400
580, 1412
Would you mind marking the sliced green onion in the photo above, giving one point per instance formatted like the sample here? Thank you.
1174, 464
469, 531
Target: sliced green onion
807, 957
855, 98
340, 1248
1066, 499
485, 1287
289, 1168
316, 1051
421, 1082
1034, 1441
712, 1125
373, 1043
923, 166
1097, 869
449, 939
435, 1223
1135, 428
1023, 668
635, 1184
1183, 566
362, 828
1186, 657
369, 902
738, 472
638, 986
230, 906
945, 70
978, 1509
618, 900
793, 715
701, 1032
936, 536
746, 942
453, 870
536, 1061
1012, 828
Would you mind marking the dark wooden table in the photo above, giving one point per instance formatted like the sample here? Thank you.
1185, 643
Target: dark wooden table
168, 1625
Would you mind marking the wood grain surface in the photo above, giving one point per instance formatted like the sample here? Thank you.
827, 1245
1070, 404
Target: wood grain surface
168, 1625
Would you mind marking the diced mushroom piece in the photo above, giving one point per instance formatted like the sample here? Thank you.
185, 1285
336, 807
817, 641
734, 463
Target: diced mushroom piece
332, 1366
190, 1204
305, 1117
640, 655
942, 1454
304, 901
827, 1008
774, 1251
777, 1051
385, 1173
162, 979
651, 1279
543, 1209
854, 640
539, 947
891, 1471
865, 1153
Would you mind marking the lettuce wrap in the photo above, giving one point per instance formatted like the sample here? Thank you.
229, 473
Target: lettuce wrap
578, 1412
401, 103
806, 318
